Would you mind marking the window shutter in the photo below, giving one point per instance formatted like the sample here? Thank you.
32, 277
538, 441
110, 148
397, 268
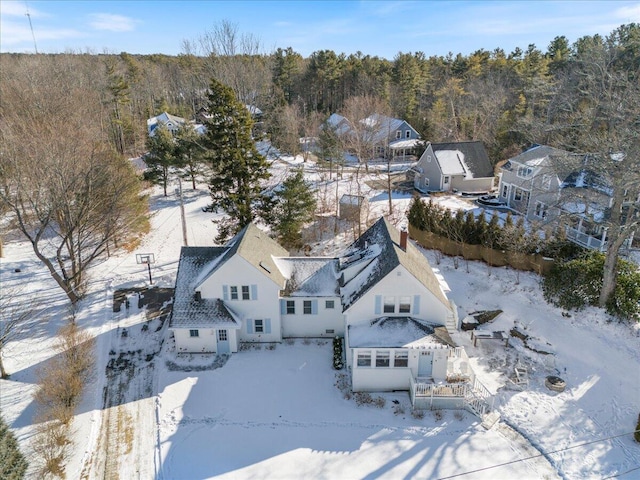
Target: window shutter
249, 325
267, 325
254, 292
378, 309
283, 306
314, 307
225, 292
416, 304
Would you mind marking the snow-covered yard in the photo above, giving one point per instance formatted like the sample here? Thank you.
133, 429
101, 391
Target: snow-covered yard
277, 413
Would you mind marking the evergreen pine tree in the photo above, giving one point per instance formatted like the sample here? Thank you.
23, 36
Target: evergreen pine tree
237, 168
161, 157
294, 205
13, 465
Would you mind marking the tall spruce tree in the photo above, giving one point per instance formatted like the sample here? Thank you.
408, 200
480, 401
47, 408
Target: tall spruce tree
161, 157
237, 168
293, 206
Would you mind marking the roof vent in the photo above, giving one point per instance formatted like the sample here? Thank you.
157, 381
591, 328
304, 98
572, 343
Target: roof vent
265, 267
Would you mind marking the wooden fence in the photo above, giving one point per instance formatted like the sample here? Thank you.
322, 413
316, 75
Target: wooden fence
496, 258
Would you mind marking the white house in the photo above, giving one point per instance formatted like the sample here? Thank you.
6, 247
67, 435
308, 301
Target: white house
171, 123
461, 166
381, 294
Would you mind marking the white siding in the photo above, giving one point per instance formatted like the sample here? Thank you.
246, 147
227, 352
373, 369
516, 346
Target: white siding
404, 284
313, 325
205, 342
238, 272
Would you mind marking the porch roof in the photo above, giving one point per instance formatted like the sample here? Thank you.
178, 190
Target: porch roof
395, 332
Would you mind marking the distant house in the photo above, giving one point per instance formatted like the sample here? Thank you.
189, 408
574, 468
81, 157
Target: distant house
380, 294
391, 138
170, 122
455, 166
353, 208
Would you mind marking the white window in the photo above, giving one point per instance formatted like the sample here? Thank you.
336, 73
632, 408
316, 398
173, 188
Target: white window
291, 307
404, 305
524, 172
382, 358
306, 307
258, 326
234, 293
407, 134
245, 292
546, 181
389, 305
398, 134
505, 191
541, 210
194, 333
364, 358
222, 335
329, 304
401, 359
446, 180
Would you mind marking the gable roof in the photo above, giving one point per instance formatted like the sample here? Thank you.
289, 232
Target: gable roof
378, 249
383, 126
257, 248
472, 157
188, 311
163, 119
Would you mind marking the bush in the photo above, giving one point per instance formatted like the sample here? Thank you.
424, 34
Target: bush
338, 362
576, 284
13, 465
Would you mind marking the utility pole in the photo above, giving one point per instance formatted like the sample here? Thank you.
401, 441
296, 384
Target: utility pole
184, 220
31, 27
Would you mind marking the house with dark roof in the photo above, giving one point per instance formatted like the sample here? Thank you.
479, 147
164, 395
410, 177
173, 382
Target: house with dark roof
453, 166
381, 294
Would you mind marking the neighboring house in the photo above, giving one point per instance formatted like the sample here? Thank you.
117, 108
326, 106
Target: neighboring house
391, 138
553, 186
381, 294
171, 123
455, 166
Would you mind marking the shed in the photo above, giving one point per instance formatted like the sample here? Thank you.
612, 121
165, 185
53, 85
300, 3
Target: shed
353, 208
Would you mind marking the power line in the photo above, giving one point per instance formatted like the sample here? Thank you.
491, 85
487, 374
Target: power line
543, 455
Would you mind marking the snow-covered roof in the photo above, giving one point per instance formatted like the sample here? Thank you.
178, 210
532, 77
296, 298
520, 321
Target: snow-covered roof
309, 276
400, 144
451, 162
348, 199
163, 119
378, 252
382, 126
394, 332
463, 158
189, 311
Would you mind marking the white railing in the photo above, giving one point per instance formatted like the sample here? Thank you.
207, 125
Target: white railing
584, 239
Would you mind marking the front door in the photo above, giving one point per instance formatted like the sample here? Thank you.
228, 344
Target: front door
425, 364
223, 342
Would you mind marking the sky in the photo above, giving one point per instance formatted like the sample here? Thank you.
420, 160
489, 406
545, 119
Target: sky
373, 27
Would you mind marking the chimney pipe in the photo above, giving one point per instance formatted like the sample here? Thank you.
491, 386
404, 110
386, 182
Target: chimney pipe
404, 235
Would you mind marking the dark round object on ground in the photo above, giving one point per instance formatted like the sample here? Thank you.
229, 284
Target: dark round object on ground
555, 383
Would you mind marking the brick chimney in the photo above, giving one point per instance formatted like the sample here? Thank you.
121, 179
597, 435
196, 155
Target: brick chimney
404, 235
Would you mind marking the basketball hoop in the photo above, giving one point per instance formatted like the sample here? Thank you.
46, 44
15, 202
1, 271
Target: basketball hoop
146, 259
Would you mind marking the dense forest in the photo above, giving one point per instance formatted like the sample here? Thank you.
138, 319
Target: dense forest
508, 100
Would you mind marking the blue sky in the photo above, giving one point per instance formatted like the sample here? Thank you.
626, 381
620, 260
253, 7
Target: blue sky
374, 27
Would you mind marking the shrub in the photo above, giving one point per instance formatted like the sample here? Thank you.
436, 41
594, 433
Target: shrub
338, 362
417, 414
13, 465
576, 283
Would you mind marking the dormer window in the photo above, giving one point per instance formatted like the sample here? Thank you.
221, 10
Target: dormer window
524, 172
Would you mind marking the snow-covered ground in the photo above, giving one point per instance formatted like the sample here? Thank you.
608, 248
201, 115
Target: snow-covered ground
276, 412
